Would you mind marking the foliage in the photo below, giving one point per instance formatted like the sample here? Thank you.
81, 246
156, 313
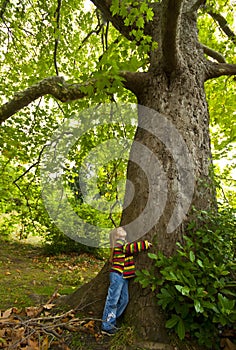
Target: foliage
220, 98
41, 39
105, 195
196, 286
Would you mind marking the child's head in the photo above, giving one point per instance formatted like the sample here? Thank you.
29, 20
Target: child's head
117, 233
121, 233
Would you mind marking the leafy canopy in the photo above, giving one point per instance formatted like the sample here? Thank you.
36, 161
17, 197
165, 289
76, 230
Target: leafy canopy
40, 39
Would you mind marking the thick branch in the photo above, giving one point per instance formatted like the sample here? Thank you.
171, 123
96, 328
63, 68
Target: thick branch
55, 86
62, 91
214, 54
223, 25
135, 82
215, 70
197, 5
170, 27
117, 21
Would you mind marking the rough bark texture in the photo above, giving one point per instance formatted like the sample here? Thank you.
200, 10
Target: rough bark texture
181, 98
178, 94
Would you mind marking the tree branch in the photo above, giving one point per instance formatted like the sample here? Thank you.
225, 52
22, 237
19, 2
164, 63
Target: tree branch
57, 87
197, 5
223, 25
215, 70
169, 41
214, 54
57, 15
116, 20
135, 81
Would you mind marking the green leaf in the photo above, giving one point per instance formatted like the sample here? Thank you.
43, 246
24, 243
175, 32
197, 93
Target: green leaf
181, 329
225, 273
140, 22
199, 262
226, 304
183, 290
149, 14
153, 256
198, 307
191, 256
115, 7
172, 321
145, 272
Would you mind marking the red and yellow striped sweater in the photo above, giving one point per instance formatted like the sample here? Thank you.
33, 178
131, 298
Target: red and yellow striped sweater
123, 260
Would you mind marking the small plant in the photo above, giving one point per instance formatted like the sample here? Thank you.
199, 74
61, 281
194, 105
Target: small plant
196, 286
125, 337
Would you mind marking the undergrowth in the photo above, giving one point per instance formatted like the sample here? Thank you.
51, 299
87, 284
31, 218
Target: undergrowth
196, 287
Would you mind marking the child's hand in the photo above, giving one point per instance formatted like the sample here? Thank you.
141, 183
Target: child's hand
149, 244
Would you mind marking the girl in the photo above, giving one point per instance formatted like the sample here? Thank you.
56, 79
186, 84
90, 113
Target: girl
122, 270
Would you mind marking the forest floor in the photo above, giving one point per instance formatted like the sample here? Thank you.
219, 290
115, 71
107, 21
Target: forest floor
30, 283
30, 319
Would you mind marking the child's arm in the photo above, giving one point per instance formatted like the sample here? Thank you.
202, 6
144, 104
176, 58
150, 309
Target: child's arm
135, 247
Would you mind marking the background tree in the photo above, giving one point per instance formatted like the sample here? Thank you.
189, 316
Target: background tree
163, 52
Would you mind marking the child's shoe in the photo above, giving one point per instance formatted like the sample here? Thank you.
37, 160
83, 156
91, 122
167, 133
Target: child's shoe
109, 332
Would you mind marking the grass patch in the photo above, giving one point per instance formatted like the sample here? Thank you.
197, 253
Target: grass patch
29, 277
125, 337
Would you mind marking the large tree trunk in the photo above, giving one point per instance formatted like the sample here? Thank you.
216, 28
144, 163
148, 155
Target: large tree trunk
183, 103
178, 99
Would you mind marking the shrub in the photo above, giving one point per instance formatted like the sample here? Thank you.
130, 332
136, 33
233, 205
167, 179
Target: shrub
57, 242
196, 286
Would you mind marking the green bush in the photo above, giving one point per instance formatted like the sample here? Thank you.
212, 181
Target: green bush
196, 286
56, 242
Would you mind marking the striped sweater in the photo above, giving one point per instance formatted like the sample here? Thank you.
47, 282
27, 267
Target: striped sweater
123, 260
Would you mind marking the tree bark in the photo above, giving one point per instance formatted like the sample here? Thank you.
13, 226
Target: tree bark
179, 99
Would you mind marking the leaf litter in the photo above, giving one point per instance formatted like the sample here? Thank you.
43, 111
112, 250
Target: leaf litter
42, 328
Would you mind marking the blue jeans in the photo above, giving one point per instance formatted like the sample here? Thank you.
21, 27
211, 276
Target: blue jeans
116, 302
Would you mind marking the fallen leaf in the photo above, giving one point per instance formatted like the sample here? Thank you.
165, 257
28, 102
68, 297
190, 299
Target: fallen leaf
7, 313
45, 344
8, 332
33, 345
48, 306
90, 326
33, 311
2, 333
97, 336
17, 335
